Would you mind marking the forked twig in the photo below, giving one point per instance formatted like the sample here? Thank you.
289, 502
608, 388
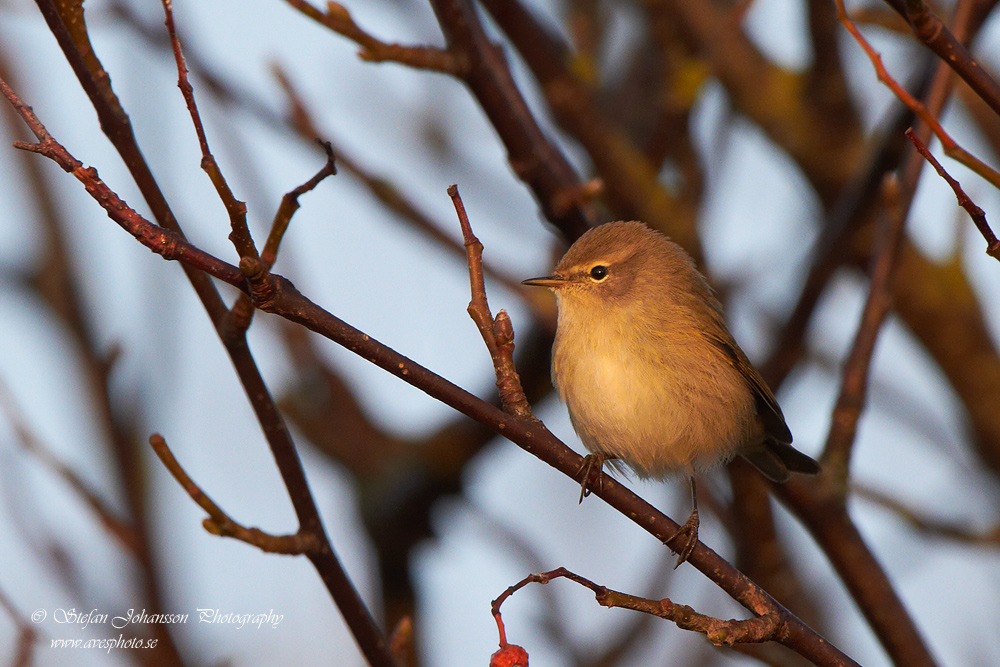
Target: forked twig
220, 523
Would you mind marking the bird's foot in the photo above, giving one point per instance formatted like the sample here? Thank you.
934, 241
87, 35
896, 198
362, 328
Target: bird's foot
688, 536
593, 464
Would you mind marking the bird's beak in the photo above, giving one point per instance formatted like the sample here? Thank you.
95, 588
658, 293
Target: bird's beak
545, 281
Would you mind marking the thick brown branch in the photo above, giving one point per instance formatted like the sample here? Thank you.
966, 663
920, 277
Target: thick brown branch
822, 509
534, 158
631, 182
930, 30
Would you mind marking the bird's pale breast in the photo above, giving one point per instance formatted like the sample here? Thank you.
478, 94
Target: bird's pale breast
659, 418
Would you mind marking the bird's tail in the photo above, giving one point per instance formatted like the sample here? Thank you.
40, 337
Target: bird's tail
777, 460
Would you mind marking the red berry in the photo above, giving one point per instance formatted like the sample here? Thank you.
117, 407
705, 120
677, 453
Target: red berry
510, 655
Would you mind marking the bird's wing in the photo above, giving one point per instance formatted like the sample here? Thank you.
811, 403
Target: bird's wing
767, 406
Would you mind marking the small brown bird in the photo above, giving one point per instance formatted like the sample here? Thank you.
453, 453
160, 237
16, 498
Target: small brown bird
650, 373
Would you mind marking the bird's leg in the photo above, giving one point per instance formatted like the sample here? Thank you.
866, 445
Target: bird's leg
587, 468
689, 529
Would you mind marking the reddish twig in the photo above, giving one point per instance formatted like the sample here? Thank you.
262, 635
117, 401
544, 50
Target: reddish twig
290, 204
164, 242
951, 148
977, 214
762, 628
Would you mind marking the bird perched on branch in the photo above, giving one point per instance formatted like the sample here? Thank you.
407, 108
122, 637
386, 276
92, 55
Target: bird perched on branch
651, 375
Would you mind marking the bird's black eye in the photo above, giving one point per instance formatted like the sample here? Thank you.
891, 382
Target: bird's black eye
599, 273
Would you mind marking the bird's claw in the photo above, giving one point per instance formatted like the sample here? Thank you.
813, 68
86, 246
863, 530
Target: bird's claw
689, 533
587, 470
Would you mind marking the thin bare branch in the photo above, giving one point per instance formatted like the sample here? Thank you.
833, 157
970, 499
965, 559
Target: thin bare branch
240, 234
219, 523
497, 333
977, 214
290, 204
766, 627
949, 530
535, 158
339, 20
